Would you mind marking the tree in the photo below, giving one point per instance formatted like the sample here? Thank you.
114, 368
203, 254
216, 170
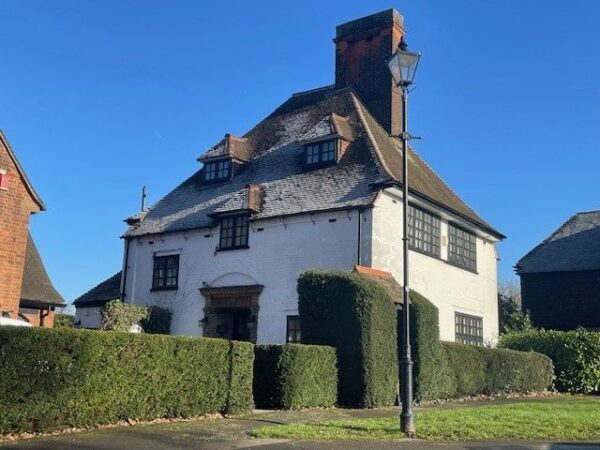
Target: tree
62, 320
512, 317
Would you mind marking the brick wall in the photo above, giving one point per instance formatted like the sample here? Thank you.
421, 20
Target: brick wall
16, 205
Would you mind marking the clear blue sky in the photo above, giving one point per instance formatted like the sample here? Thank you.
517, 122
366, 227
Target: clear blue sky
100, 98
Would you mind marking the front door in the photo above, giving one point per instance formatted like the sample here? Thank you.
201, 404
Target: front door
241, 329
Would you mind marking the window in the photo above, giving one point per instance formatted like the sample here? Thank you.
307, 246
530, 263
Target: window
462, 248
166, 272
423, 231
3, 179
293, 329
321, 152
217, 170
234, 232
468, 329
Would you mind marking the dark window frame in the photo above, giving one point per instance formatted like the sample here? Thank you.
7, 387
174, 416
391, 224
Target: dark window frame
217, 171
462, 248
468, 329
165, 268
292, 329
321, 153
234, 232
428, 235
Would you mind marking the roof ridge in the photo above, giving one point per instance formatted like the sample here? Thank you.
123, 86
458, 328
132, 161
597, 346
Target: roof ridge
310, 91
28, 185
596, 211
359, 106
546, 240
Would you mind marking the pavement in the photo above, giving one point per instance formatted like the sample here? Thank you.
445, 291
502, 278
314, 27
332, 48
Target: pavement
232, 433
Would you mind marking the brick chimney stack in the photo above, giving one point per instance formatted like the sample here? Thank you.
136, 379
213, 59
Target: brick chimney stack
362, 48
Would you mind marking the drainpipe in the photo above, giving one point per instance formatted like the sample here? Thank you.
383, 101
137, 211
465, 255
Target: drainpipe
359, 238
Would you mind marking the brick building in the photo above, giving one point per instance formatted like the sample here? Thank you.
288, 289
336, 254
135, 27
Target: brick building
26, 292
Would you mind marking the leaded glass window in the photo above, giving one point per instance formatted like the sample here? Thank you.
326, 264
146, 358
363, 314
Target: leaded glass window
234, 232
423, 231
217, 170
462, 248
166, 272
468, 329
321, 152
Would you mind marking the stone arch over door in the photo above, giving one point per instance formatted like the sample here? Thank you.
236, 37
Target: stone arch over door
224, 304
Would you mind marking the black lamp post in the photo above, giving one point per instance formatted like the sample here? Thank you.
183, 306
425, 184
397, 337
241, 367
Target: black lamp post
403, 65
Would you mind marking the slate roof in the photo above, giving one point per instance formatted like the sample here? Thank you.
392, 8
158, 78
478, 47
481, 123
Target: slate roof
109, 289
36, 288
275, 163
574, 246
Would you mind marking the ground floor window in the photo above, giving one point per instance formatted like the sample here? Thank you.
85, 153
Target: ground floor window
468, 329
293, 329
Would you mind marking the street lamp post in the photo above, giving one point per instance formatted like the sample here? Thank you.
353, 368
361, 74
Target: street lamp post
403, 65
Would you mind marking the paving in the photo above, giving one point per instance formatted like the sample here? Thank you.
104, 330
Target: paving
232, 433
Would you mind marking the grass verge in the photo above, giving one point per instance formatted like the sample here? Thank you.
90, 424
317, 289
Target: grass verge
564, 418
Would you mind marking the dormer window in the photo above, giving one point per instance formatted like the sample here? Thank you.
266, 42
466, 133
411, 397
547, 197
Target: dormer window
321, 153
217, 170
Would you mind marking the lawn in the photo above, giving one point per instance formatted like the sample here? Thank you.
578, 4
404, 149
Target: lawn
564, 418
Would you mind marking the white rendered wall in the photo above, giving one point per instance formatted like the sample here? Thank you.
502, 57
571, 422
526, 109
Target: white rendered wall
450, 288
277, 255
87, 317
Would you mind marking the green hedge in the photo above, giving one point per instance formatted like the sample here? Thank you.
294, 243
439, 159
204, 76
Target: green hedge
355, 315
492, 371
451, 370
575, 354
59, 378
294, 376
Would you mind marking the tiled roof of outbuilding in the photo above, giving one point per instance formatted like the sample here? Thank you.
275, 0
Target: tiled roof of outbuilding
574, 246
36, 287
109, 289
372, 159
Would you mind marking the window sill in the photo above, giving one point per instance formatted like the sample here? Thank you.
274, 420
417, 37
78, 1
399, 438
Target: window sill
422, 252
163, 289
458, 266
240, 247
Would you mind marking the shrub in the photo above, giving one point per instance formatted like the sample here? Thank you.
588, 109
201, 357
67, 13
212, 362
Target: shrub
451, 370
157, 320
294, 376
575, 354
62, 320
355, 315
58, 378
118, 316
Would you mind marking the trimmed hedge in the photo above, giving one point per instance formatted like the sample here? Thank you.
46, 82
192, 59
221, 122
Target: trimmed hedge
294, 376
450, 370
492, 371
575, 354
355, 315
59, 378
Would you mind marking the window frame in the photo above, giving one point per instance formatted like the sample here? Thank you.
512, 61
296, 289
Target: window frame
292, 334
3, 179
468, 338
435, 223
156, 278
456, 239
239, 222
217, 171
322, 148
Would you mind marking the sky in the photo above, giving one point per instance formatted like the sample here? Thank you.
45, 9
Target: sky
101, 98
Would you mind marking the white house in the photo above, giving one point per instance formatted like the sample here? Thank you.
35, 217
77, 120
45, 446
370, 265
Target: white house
317, 184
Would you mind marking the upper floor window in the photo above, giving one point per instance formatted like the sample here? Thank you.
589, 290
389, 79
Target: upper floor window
217, 170
234, 232
462, 248
166, 272
468, 329
321, 152
423, 231
292, 334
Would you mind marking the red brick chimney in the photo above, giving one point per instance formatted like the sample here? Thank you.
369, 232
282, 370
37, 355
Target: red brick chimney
362, 48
